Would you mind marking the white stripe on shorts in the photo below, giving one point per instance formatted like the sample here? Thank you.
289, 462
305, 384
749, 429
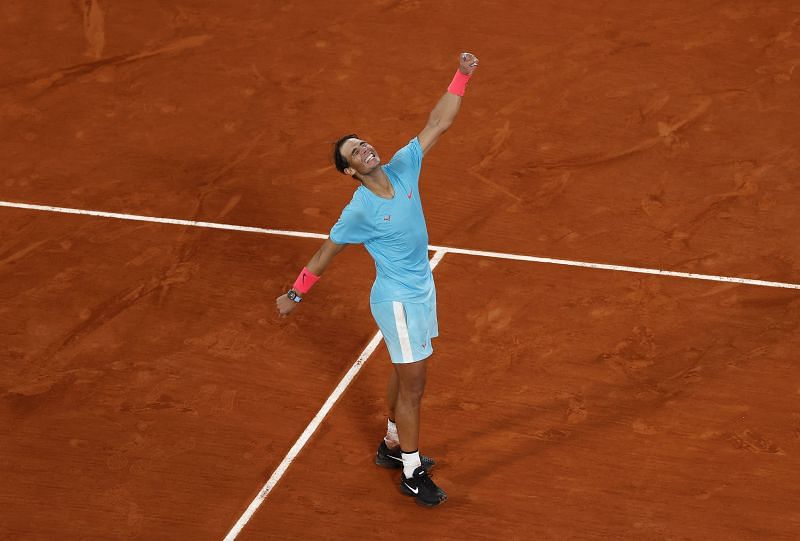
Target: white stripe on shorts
402, 331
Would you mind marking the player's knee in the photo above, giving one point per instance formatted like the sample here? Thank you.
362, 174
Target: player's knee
414, 396
413, 390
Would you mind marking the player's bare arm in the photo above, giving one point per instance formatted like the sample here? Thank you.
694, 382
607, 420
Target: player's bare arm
445, 111
319, 262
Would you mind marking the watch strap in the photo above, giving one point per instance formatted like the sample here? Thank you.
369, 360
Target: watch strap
293, 295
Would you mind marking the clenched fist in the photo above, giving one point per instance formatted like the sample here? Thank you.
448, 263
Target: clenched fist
284, 305
468, 63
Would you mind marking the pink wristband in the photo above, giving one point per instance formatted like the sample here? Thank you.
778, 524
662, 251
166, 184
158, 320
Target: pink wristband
459, 83
305, 281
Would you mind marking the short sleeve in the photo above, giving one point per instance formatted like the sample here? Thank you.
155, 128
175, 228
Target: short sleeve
353, 227
408, 160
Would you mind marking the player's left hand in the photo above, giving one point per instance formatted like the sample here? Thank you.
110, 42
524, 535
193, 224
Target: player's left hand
468, 63
284, 305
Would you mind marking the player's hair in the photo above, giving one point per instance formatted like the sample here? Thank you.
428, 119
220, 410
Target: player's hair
338, 160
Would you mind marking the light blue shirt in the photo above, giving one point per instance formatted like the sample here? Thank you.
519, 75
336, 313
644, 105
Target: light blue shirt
393, 231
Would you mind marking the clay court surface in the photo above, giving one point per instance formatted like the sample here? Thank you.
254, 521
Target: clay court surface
148, 391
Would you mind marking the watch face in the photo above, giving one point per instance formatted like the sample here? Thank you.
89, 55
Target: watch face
293, 296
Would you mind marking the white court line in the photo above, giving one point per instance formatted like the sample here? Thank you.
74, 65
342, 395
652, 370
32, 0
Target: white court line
173, 221
479, 253
622, 268
312, 427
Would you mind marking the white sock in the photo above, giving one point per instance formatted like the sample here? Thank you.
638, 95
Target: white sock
392, 439
411, 462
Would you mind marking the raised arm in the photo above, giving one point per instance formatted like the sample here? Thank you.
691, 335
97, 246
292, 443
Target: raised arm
319, 262
445, 111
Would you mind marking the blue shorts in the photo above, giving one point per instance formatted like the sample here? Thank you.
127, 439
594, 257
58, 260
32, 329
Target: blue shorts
407, 328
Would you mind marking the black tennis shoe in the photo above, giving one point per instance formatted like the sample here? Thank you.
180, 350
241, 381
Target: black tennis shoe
393, 458
422, 488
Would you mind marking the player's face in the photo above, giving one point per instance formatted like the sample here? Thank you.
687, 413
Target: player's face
360, 155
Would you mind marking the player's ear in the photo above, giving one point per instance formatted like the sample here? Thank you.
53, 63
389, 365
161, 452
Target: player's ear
349, 171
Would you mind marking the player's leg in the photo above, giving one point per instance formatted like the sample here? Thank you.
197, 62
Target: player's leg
387, 316
411, 379
413, 324
389, 454
414, 481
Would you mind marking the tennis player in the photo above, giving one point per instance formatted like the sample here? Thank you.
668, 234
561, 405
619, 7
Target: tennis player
385, 215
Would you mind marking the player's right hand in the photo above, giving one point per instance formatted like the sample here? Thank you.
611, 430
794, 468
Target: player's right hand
285, 305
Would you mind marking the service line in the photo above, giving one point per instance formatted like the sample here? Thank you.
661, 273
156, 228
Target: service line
444, 249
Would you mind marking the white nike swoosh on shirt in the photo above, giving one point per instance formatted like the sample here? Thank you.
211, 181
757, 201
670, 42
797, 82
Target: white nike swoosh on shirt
414, 490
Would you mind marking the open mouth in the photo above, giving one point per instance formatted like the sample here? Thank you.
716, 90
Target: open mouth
370, 158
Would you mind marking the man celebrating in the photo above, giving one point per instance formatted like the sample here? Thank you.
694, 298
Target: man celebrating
385, 215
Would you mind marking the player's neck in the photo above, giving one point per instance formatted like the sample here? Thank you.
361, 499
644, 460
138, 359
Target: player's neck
378, 183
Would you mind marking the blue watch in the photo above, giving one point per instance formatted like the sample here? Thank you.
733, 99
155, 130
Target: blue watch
292, 294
